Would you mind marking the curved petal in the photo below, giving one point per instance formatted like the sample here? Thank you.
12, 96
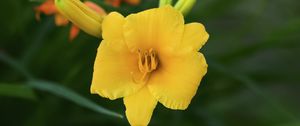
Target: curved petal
113, 71
74, 31
194, 37
159, 28
60, 20
139, 107
112, 26
47, 8
176, 81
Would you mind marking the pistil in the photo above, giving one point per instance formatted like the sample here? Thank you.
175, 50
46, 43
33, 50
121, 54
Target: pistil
147, 62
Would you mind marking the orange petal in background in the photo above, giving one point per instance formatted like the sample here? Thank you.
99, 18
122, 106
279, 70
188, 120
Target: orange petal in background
132, 2
114, 3
60, 20
117, 3
47, 8
74, 31
95, 7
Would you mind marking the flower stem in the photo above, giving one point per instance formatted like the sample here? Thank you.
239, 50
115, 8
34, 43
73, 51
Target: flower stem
165, 2
185, 6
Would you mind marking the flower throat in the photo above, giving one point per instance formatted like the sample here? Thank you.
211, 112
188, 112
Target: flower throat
147, 62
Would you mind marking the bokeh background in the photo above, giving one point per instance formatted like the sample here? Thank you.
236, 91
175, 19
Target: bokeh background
252, 80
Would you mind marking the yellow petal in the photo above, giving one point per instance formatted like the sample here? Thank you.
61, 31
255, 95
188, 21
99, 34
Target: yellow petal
159, 28
115, 65
112, 26
176, 81
194, 37
139, 107
81, 15
113, 71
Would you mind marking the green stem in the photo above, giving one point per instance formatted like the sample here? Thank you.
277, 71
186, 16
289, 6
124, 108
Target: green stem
165, 2
185, 6
179, 4
37, 42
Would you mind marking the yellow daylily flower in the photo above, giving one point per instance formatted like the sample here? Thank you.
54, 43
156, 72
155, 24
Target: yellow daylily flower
149, 57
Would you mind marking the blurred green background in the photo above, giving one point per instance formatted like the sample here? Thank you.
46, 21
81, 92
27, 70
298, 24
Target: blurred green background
252, 80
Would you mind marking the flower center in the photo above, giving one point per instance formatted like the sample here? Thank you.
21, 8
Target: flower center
147, 62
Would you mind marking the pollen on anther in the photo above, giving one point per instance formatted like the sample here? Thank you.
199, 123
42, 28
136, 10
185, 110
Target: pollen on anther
147, 62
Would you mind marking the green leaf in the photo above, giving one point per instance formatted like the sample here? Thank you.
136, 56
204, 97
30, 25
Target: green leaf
55, 88
68, 94
17, 90
15, 65
253, 86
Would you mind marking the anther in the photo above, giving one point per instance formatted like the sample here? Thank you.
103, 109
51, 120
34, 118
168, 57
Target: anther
147, 62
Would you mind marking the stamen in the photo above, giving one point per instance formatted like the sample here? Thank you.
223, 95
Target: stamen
147, 62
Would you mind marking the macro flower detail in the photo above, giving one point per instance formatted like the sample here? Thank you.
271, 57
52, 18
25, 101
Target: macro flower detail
49, 8
149, 57
117, 3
